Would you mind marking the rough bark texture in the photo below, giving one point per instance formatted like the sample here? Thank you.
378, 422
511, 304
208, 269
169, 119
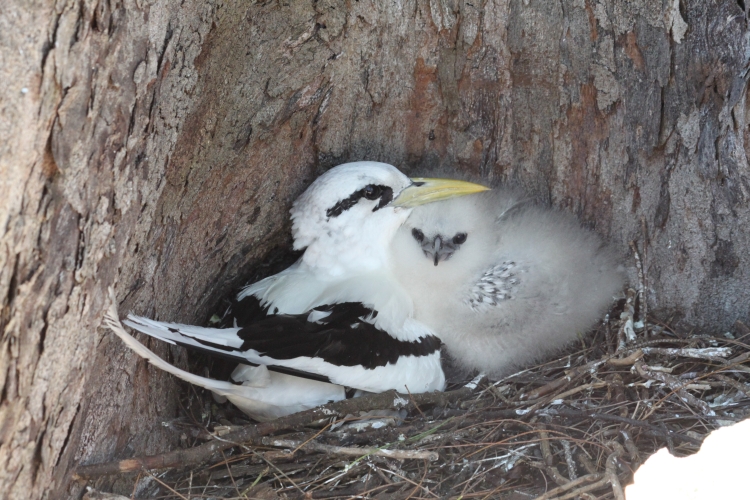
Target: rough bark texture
156, 146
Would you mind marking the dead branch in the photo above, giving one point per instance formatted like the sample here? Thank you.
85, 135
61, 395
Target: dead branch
626, 334
676, 385
351, 451
715, 354
572, 485
611, 470
628, 360
641, 285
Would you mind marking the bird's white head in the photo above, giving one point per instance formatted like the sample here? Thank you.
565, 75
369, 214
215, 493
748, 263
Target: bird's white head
347, 217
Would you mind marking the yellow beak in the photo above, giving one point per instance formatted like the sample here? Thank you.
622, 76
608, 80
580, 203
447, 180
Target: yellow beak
428, 190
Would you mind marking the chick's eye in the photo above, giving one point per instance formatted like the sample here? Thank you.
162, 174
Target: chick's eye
418, 235
372, 192
459, 238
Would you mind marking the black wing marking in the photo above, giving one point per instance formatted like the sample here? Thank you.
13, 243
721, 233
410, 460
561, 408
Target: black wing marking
343, 338
246, 311
230, 354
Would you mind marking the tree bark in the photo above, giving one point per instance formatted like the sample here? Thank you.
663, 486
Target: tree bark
157, 146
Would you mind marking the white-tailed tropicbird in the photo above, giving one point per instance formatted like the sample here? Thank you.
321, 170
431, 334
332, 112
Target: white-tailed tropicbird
337, 317
503, 282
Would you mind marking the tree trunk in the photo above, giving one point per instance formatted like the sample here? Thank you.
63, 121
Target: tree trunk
156, 146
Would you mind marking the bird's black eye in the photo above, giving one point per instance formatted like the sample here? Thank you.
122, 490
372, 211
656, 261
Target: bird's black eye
372, 192
418, 235
459, 239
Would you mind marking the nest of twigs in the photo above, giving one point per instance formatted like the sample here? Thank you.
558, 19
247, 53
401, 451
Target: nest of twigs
575, 427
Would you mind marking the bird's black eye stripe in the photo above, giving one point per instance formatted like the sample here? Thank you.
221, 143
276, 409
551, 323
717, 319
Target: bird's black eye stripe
459, 238
386, 196
418, 235
370, 192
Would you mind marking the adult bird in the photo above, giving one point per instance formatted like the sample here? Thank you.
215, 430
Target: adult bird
503, 282
336, 318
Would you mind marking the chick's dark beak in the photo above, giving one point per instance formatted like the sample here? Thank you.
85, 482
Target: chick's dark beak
436, 246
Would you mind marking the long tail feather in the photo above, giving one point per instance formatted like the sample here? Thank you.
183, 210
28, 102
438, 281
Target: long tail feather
263, 395
222, 341
113, 323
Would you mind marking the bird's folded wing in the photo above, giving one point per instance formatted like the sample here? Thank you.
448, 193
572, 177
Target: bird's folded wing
315, 345
340, 334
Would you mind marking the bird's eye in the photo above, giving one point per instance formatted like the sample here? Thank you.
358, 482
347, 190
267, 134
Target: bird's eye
459, 238
418, 235
372, 192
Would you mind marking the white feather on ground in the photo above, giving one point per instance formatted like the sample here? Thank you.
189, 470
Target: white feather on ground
717, 472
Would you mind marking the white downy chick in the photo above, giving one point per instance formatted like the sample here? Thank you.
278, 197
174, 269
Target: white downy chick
502, 282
